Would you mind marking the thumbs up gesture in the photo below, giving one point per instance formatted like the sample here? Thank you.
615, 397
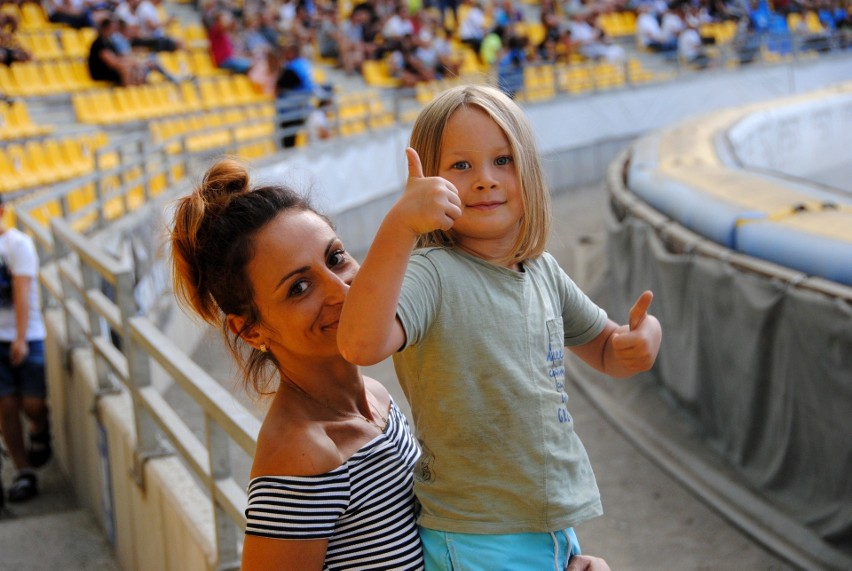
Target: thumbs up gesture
636, 344
428, 203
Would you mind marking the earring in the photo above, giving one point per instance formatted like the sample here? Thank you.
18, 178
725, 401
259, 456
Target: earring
263, 348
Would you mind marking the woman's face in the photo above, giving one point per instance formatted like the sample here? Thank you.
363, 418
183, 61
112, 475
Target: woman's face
300, 274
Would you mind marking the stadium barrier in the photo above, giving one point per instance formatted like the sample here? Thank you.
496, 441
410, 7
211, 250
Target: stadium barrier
755, 352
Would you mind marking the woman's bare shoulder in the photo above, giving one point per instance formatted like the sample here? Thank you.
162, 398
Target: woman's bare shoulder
294, 448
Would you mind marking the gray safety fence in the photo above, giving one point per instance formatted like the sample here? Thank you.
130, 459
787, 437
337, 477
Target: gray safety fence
96, 291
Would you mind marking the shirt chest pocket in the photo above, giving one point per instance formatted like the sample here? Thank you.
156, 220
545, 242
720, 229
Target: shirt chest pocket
555, 343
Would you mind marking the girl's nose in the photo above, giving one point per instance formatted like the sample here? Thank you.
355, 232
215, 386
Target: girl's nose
485, 180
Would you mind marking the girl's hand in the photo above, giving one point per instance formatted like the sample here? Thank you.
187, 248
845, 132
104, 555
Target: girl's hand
428, 203
636, 345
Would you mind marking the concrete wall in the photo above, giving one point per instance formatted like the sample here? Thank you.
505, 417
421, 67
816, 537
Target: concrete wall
165, 525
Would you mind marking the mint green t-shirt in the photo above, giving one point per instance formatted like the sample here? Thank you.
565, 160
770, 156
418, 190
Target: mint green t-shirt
483, 370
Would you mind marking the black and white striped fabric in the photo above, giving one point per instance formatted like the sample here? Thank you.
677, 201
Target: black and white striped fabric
365, 508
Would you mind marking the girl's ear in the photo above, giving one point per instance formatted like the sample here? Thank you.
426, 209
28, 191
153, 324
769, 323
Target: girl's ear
237, 325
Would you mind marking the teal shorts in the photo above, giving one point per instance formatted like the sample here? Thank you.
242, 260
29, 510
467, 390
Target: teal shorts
448, 551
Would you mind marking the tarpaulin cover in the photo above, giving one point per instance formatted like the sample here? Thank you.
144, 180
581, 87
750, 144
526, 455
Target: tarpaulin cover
763, 367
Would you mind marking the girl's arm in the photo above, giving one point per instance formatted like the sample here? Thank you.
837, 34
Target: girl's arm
369, 330
623, 350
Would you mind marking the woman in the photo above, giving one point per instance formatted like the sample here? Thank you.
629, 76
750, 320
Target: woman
331, 483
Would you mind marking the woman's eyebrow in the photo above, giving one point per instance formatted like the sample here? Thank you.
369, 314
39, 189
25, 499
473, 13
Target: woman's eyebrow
304, 269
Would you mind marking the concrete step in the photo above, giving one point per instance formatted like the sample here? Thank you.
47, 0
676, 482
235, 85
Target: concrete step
51, 531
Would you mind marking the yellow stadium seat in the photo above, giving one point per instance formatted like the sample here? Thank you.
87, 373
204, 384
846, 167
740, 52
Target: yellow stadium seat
189, 94
10, 180
25, 174
29, 79
73, 43
202, 64
33, 17
46, 46
8, 83
377, 74
44, 212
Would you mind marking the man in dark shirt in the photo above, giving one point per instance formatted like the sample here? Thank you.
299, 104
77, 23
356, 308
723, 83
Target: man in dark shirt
105, 63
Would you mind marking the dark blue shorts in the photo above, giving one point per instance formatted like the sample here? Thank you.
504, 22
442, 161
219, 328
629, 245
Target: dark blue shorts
27, 379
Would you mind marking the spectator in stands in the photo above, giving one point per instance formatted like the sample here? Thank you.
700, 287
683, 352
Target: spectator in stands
510, 70
452, 6
472, 29
548, 49
295, 90
399, 24
75, 13
506, 13
672, 23
328, 34
144, 28
141, 66
407, 66
105, 63
433, 50
649, 34
318, 124
254, 38
590, 40
353, 40
23, 390
11, 50
222, 48
690, 47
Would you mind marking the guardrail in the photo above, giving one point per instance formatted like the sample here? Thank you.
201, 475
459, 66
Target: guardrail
94, 289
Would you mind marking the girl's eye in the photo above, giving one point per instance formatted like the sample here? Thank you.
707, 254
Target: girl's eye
502, 161
298, 288
336, 258
461, 165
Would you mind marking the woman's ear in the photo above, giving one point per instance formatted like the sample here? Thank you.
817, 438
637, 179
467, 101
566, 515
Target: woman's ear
237, 326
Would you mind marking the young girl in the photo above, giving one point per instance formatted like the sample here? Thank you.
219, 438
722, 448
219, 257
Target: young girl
477, 319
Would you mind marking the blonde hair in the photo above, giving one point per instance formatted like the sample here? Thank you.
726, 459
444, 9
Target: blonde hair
427, 136
212, 242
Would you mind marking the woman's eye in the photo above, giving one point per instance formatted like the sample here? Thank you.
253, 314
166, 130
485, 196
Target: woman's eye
336, 258
298, 288
502, 161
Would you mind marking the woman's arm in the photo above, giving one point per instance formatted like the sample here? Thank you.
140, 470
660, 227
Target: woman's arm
264, 553
369, 330
623, 350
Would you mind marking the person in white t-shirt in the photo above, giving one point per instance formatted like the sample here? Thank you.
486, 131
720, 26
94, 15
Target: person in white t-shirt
23, 390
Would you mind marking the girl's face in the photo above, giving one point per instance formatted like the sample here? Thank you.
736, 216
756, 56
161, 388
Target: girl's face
300, 274
477, 158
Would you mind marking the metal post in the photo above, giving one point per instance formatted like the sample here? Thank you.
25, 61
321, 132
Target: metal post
74, 334
220, 469
139, 376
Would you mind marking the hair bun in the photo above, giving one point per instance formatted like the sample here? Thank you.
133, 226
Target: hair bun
224, 180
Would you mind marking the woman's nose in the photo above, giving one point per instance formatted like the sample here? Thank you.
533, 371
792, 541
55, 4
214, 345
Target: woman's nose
337, 287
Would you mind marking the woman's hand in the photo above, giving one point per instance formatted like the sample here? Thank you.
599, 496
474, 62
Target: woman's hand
587, 563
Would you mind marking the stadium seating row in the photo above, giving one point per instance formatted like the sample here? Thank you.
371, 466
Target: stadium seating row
16, 123
45, 162
145, 102
216, 129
